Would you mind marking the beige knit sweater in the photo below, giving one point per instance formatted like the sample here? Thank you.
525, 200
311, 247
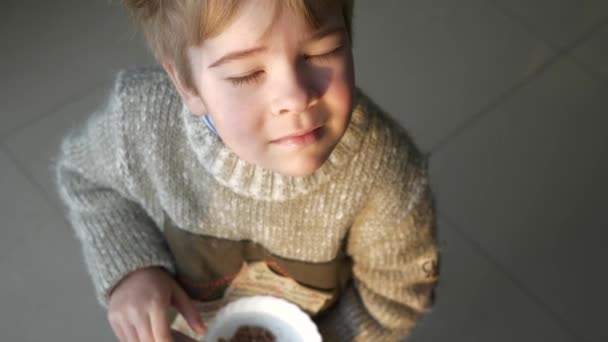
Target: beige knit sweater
144, 160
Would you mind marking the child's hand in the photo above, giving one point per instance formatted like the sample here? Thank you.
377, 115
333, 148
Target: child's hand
139, 305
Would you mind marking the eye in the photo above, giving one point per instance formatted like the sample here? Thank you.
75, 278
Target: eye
325, 56
247, 79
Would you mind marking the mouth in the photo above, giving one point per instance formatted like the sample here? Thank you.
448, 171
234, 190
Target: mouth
299, 139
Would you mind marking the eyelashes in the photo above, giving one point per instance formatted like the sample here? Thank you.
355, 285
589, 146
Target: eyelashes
326, 56
257, 75
244, 80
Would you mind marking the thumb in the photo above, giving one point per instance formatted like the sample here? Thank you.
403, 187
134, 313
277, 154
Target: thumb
187, 308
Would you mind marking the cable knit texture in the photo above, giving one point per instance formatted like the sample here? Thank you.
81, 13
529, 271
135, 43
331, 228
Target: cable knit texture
144, 159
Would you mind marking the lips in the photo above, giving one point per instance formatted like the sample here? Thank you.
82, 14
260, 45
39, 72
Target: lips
295, 135
299, 139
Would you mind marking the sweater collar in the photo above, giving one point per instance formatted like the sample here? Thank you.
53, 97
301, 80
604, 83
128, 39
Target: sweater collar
259, 183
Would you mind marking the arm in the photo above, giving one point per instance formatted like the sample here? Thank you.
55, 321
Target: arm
92, 175
395, 264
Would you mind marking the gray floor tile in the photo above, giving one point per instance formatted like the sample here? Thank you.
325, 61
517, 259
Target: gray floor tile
23, 210
593, 53
528, 182
37, 146
475, 302
7, 11
560, 22
434, 64
45, 291
55, 50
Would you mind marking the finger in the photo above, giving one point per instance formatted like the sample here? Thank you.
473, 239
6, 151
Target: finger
118, 332
122, 330
144, 330
187, 308
160, 325
130, 333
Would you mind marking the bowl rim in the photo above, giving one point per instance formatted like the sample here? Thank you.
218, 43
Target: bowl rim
290, 314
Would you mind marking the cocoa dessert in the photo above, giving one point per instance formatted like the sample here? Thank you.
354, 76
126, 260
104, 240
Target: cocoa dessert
250, 333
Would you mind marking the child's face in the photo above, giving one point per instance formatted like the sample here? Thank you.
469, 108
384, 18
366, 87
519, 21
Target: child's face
293, 80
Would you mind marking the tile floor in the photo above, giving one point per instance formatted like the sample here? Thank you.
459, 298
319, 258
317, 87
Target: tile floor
509, 97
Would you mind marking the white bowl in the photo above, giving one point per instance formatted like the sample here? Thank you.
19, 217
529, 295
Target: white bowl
283, 319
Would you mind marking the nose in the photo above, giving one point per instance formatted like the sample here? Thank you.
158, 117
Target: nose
293, 94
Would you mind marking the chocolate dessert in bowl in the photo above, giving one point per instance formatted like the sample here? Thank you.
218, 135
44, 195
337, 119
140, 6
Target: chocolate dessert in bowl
262, 319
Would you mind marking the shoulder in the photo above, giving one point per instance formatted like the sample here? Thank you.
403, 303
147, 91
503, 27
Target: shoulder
399, 166
127, 100
148, 107
141, 80
393, 155
143, 88
146, 99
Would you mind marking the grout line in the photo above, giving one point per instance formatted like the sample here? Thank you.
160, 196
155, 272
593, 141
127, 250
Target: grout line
494, 104
567, 49
530, 30
22, 169
523, 23
55, 109
519, 85
556, 317
585, 36
588, 69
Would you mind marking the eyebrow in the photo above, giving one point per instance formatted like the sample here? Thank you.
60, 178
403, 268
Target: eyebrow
249, 52
327, 31
236, 55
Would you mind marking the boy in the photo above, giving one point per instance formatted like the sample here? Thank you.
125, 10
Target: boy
250, 151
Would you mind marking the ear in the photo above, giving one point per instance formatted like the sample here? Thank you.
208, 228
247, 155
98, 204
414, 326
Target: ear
191, 98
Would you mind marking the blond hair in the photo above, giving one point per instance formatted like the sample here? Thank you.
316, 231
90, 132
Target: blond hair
170, 26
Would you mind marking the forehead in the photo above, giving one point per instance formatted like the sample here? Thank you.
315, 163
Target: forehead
257, 21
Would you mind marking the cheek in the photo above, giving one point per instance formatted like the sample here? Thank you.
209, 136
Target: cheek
238, 122
331, 77
345, 71
235, 115
340, 95
341, 86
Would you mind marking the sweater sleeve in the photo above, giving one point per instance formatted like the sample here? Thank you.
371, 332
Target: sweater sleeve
116, 235
395, 264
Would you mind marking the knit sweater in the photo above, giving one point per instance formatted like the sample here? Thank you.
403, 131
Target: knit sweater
144, 160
